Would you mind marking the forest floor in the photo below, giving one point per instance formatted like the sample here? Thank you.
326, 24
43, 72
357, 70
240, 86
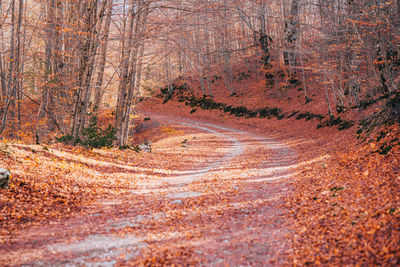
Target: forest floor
343, 207
199, 197
215, 190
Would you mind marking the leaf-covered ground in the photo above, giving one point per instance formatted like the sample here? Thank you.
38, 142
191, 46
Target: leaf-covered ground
345, 209
207, 194
199, 197
51, 181
345, 204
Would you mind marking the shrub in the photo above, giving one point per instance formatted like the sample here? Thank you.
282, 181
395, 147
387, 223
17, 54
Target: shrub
342, 124
227, 109
346, 125
66, 139
241, 112
292, 114
270, 112
208, 103
309, 116
91, 136
95, 137
388, 114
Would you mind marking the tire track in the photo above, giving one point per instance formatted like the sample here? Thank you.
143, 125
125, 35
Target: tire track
220, 242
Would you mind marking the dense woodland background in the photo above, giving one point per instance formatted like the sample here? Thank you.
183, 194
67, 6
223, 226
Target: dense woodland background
63, 62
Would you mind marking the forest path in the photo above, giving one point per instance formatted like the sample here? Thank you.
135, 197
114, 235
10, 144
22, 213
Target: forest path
225, 209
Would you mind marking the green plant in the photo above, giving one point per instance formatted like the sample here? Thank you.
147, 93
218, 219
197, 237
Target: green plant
388, 114
293, 114
66, 139
333, 121
309, 116
95, 137
270, 112
240, 111
136, 148
335, 189
346, 125
91, 136
386, 147
124, 147
381, 135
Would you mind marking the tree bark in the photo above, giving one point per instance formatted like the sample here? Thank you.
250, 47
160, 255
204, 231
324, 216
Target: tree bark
291, 33
124, 78
99, 91
11, 86
87, 61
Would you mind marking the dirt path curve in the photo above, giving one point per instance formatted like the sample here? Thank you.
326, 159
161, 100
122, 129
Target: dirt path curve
225, 210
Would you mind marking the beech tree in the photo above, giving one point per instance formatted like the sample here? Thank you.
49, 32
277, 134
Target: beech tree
132, 41
291, 36
11, 68
63, 57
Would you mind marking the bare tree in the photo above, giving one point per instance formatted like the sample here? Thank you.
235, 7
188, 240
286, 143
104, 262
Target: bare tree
134, 22
98, 88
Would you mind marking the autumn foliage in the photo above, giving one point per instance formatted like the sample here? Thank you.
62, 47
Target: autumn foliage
344, 205
85, 84
42, 187
345, 209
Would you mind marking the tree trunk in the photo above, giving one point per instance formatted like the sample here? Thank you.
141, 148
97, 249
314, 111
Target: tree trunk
50, 52
292, 25
124, 78
18, 82
99, 91
89, 49
303, 76
133, 77
264, 41
11, 86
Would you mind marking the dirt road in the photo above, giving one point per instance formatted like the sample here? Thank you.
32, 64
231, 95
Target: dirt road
223, 207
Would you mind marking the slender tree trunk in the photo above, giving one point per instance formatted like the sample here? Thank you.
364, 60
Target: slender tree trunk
2, 67
207, 56
88, 54
168, 78
228, 73
99, 91
19, 79
50, 71
11, 86
291, 32
303, 76
124, 79
325, 60
134, 71
264, 41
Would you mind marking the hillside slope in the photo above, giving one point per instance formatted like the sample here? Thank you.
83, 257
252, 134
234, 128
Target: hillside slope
345, 206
